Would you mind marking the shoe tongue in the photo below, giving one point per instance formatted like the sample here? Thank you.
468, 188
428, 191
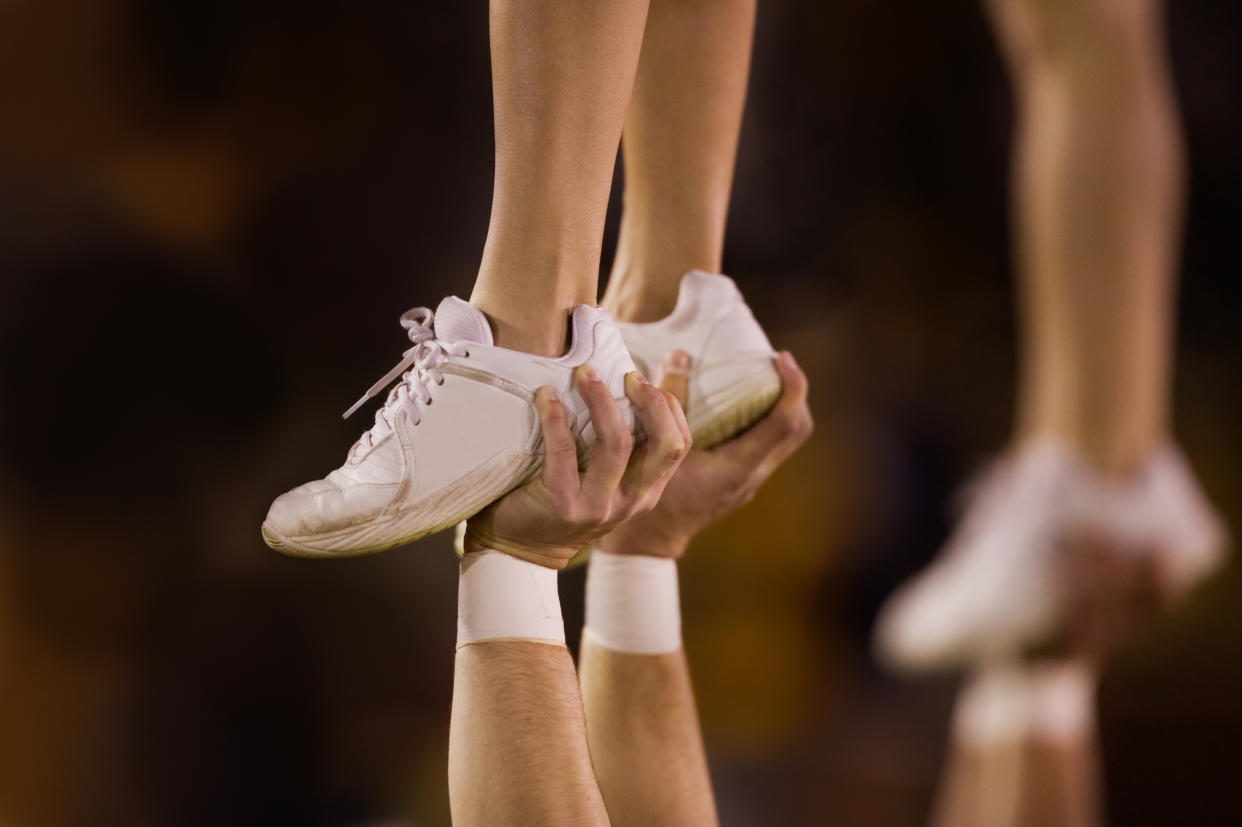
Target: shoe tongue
461, 321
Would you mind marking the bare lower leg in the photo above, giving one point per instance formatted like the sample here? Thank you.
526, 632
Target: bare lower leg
517, 738
562, 74
680, 145
1098, 188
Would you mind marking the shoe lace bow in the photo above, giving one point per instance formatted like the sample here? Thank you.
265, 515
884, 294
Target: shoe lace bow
419, 370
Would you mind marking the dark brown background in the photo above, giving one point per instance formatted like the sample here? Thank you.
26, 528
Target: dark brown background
211, 215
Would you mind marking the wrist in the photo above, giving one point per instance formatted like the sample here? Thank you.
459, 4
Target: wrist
632, 604
625, 540
500, 597
552, 557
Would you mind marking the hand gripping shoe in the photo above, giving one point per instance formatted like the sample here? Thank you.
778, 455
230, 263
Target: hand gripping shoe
457, 431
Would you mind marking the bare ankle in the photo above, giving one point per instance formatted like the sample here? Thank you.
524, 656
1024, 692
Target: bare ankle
543, 335
641, 299
1107, 456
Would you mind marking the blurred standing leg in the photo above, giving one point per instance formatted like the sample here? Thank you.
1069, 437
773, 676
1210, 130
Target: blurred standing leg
1098, 179
562, 74
1024, 750
680, 144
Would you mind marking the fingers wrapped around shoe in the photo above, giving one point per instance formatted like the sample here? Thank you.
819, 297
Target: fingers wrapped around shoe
562, 510
654, 461
771, 441
560, 462
613, 441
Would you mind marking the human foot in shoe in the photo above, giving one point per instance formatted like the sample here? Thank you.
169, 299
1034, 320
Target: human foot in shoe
458, 430
733, 381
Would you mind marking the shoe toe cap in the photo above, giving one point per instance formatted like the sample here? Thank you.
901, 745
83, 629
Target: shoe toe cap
911, 634
322, 507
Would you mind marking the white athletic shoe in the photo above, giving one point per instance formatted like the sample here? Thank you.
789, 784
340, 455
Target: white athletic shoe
997, 590
732, 379
458, 431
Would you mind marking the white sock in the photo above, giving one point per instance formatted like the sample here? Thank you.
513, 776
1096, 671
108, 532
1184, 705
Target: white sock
500, 597
632, 603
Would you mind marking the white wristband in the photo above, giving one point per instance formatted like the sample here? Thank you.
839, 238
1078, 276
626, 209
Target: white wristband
993, 707
500, 597
1062, 702
632, 604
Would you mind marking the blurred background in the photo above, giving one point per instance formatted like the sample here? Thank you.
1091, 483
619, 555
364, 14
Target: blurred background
211, 216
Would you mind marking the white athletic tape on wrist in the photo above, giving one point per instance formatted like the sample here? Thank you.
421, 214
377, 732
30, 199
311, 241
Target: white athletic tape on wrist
632, 603
994, 707
1062, 702
500, 597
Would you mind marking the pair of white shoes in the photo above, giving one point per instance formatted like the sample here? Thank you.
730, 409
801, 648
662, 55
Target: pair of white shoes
1001, 586
459, 429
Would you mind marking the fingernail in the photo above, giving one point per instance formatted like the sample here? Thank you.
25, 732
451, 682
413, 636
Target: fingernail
786, 358
677, 362
642, 380
545, 396
589, 373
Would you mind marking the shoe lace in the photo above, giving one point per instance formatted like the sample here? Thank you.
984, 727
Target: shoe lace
419, 370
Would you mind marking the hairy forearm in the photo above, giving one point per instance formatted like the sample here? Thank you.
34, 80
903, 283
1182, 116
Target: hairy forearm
644, 735
517, 743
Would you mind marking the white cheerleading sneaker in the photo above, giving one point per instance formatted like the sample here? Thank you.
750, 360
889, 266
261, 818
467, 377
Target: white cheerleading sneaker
458, 431
733, 381
999, 589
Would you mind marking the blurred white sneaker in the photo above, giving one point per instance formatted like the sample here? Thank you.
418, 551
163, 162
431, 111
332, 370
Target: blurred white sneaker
732, 379
1168, 511
457, 431
997, 589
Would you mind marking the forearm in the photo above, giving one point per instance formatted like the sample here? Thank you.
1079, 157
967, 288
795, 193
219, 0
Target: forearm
517, 743
642, 724
645, 739
517, 740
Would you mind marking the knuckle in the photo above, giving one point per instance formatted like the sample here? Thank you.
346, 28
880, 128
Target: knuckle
593, 514
637, 507
672, 447
569, 509
791, 426
562, 447
622, 441
806, 425
652, 397
646, 505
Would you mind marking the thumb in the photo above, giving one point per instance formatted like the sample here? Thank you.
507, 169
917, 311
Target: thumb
674, 376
